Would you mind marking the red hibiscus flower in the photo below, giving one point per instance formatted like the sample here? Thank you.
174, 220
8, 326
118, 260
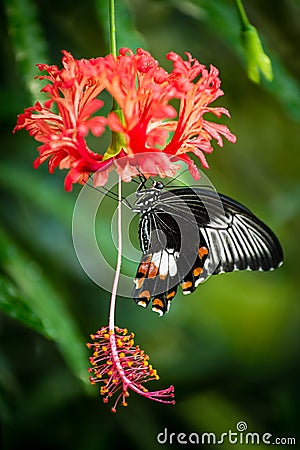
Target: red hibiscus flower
153, 134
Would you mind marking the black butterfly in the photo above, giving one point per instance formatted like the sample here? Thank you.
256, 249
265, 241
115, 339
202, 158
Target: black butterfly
187, 234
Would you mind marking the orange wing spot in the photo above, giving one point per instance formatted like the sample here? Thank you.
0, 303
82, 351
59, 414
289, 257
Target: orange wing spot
187, 284
158, 302
153, 269
144, 265
143, 268
170, 295
202, 252
145, 294
197, 271
139, 282
162, 277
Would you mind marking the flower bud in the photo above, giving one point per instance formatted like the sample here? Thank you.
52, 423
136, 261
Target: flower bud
257, 60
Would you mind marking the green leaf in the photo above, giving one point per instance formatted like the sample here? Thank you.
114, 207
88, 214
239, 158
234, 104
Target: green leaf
126, 33
38, 304
27, 42
13, 303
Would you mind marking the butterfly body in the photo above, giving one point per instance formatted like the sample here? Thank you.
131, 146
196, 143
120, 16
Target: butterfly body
187, 234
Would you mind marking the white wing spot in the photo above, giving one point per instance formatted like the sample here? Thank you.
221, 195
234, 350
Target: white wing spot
163, 268
158, 311
156, 258
142, 303
172, 266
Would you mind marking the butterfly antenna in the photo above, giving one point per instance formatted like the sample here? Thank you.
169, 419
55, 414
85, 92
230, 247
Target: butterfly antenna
109, 194
142, 178
212, 188
135, 181
173, 179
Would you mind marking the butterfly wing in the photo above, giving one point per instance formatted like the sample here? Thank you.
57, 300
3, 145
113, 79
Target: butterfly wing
235, 237
174, 252
157, 276
192, 234
239, 240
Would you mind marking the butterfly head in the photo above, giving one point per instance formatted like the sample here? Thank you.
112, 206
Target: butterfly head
158, 185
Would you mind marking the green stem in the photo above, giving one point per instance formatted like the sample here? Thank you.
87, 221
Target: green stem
112, 35
243, 15
112, 29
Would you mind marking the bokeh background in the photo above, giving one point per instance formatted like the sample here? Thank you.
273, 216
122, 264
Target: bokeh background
232, 348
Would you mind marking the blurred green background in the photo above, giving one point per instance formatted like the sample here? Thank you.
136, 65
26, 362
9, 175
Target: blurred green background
232, 348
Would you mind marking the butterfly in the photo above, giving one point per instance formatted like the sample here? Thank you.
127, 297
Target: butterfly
187, 234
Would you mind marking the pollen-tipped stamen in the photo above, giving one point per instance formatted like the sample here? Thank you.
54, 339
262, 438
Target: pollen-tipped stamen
120, 365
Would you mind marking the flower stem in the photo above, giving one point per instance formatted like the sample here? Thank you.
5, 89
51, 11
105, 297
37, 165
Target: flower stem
112, 338
156, 395
112, 24
113, 298
135, 369
243, 15
119, 260
113, 40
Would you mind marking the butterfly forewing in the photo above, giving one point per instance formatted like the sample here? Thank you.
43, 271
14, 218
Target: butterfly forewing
240, 240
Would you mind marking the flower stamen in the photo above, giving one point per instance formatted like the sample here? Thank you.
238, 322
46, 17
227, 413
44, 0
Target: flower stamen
120, 365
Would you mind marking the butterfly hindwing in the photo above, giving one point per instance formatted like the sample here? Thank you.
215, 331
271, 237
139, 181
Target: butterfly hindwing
157, 276
198, 272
